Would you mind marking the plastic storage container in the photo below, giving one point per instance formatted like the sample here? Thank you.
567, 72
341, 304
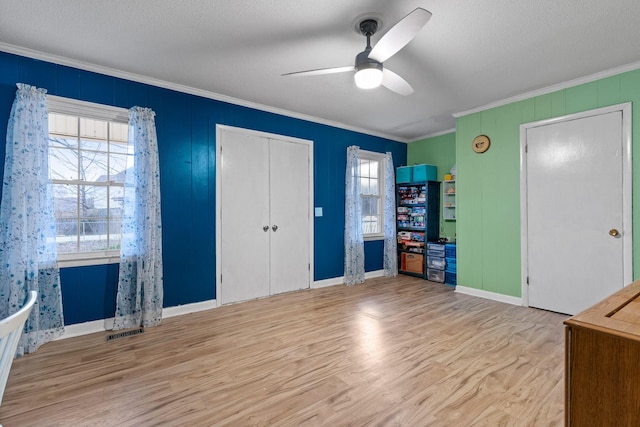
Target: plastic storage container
436, 246
435, 252
450, 250
450, 278
424, 173
451, 265
404, 174
436, 263
435, 275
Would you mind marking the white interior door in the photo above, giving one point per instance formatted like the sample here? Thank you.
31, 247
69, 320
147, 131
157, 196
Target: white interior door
264, 189
290, 216
244, 213
575, 195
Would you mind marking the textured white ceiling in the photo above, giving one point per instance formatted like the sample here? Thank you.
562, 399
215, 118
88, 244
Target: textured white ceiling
471, 52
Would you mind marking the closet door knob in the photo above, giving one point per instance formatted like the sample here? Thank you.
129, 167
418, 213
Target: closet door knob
265, 228
274, 228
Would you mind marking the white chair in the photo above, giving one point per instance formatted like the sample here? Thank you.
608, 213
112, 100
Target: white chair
10, 332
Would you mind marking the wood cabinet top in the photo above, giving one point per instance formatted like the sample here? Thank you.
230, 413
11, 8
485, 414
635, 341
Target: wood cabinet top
619, 314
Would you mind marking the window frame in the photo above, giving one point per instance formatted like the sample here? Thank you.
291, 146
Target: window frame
381, 158
89, 110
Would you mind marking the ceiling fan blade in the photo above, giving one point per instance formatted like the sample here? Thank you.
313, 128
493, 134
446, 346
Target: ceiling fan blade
320, 71
400, 35
394, 82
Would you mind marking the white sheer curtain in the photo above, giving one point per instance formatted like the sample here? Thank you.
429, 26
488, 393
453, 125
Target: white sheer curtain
353, 235
28, 252
390, 240
140, 289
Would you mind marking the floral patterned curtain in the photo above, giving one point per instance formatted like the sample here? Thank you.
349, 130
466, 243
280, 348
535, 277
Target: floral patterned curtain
353, 235
140, 283
28, 253
390, 262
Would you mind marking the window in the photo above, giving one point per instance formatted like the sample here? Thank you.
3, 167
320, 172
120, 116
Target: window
372, 172
88, 156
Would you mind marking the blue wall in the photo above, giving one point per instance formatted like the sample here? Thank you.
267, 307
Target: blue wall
186, 127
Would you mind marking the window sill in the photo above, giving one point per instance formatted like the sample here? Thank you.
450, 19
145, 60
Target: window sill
93, 258
372, 237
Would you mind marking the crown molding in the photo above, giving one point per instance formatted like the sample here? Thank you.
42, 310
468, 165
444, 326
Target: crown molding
553, 88
433, 135
86, 66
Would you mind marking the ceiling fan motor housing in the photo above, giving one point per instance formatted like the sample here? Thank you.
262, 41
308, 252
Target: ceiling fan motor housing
368, 27
363, 61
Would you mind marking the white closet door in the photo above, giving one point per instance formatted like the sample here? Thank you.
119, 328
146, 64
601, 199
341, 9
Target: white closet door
290, 216
244, 215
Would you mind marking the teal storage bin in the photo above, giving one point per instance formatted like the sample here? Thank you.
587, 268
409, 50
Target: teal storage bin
404, 174
424, 173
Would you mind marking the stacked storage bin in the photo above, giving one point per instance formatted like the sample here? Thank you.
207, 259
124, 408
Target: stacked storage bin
424, 173
416, 173
436, 262
404, 174
451, 270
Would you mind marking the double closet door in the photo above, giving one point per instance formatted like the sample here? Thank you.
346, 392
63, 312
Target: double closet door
264, 209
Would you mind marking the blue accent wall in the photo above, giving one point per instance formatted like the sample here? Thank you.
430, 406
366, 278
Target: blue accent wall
186, 128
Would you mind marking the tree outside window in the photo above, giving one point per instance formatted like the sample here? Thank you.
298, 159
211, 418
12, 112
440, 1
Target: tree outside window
87, 162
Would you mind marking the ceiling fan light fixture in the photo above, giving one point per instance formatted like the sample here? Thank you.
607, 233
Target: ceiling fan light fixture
369, 72
368, 78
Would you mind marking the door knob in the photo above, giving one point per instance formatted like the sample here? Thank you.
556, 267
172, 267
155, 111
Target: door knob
265, 228
614, 233
274, 228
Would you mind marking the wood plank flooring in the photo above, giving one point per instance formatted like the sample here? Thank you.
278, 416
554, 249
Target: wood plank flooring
391, 352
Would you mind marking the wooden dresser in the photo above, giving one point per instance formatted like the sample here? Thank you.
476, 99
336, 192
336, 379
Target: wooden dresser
602, 362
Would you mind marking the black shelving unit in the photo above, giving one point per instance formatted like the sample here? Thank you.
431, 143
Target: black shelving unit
417, 222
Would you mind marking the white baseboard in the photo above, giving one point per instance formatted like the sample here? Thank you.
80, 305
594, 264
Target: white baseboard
340, 280
374, 274
327, 282
489, 295
189, 308
86, 328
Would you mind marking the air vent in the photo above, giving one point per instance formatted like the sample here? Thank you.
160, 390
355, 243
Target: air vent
125, 334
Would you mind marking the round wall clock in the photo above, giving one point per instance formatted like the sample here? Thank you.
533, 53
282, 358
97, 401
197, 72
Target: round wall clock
481, 143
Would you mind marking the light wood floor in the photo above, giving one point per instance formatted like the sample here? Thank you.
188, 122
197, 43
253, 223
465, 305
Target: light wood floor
391, 352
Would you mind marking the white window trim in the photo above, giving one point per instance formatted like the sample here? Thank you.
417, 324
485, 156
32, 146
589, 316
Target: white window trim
382, 159
74, 107
88, 258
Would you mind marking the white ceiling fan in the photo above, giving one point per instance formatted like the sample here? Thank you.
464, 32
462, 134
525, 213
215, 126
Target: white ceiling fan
369, 71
